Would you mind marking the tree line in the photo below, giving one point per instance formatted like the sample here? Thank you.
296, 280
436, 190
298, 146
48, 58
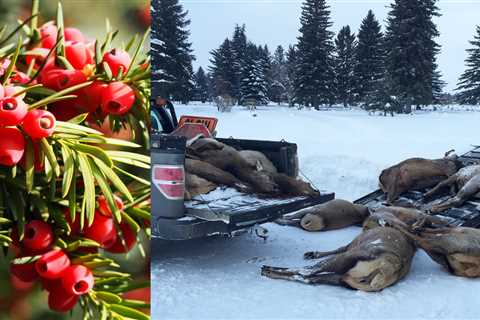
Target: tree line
392, 70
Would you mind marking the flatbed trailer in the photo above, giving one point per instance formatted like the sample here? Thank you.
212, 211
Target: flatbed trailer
467, 215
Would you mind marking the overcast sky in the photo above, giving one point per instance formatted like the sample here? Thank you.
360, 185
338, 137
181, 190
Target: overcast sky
275, 22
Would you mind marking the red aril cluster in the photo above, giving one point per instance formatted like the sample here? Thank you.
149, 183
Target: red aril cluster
114, 98
64, 282
103, 229
14, 114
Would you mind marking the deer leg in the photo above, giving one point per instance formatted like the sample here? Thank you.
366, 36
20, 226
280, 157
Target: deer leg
312, 255
328, 271
450, 203
445, 183
297, 215
301, 275
468, 190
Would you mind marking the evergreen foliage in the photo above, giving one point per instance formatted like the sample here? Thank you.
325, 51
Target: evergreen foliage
171, 52
469, 85
345, 61
314, 75
411, 52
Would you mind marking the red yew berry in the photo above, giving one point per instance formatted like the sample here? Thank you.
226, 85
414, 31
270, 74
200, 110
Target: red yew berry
59, 300
117, 59
38, 235
25, 272
102, 230
130, 240
78, 54
77, 280
12, 146
39, 124
12, 111
73, 34
48, 34
65, 110
50, 284
59, 79
92, 96
117, 99
52, 264
104, 208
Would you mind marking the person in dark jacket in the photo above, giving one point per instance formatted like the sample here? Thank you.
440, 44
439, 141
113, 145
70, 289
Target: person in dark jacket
164, 112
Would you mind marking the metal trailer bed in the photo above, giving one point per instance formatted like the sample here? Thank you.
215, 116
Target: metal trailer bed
468, 215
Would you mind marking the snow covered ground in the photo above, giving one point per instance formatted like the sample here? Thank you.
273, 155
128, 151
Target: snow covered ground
341, 151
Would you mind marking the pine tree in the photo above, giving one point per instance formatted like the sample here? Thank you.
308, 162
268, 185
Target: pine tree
438, 85
345, 61
291, 72
201, 86
279, 77
171, 52
469, 85
239, 51
369, 71
253, 88
411, 52
222, 70
314, 72
265, 61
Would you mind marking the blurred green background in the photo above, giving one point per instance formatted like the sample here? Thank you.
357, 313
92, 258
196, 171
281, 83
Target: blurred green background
128, 16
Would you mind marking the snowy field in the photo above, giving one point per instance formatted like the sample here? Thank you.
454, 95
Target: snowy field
341, 151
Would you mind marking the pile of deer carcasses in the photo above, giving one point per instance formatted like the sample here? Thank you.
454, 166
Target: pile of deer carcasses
382, 254
210, 164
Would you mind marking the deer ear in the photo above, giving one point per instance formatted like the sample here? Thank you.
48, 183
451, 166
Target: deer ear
451, 154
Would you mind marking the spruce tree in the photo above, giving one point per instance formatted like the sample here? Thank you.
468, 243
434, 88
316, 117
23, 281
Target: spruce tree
171, 52
253, 87
345, 61
279, 77
222, 70
239, 51
291, 72
265, 61
469, 85
411, 52
369, 71
201, 86
314, 72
